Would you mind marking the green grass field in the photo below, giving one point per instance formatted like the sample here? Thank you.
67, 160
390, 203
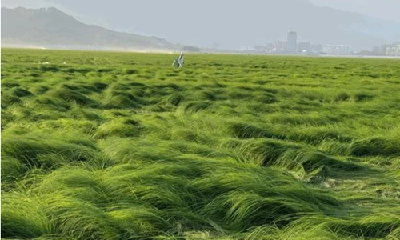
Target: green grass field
99, 145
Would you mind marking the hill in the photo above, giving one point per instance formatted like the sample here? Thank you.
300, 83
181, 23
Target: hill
52, 27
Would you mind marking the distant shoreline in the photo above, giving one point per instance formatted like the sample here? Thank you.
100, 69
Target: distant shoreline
160, 51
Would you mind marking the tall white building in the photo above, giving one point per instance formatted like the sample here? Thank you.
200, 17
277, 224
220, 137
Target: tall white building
391, 50
292, 42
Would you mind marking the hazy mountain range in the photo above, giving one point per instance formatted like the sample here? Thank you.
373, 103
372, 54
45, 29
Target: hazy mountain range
53, 28
230, 23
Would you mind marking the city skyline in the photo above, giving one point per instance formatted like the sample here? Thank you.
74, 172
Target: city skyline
293, 46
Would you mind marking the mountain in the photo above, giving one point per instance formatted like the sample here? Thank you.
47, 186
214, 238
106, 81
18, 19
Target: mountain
52, 27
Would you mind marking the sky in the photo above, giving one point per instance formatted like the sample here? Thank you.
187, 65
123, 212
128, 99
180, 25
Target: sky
382, 9
200, 22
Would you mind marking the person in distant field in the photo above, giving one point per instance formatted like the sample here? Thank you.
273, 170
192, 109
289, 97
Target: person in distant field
179, 61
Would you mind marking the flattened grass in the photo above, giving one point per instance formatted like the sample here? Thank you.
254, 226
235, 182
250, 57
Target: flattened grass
120, 146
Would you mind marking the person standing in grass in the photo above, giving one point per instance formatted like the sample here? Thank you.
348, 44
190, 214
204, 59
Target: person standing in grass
179, 61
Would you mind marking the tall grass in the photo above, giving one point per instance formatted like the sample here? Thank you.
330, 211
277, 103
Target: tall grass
121, 146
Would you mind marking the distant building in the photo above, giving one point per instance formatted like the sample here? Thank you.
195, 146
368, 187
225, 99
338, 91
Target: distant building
260, 49
397, 49
304, 47
390, 49
393, 49
280, 46
384, 49
246, 48
316, 48
292, 42
377, 50
336, 49
270, 47
344, 50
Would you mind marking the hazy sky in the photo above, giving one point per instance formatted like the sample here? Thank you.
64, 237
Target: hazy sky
384, 9
199, 22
